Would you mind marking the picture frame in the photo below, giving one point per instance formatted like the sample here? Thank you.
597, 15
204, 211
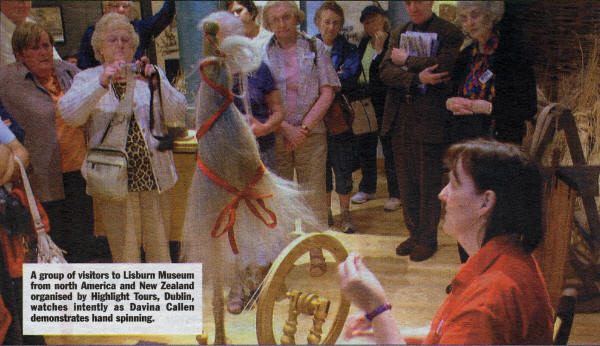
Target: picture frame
51, 18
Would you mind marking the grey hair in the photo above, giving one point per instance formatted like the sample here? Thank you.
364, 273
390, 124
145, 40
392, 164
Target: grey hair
291, 5
229, 24
494, 9
108, 23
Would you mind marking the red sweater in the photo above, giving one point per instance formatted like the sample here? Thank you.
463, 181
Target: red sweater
498, 297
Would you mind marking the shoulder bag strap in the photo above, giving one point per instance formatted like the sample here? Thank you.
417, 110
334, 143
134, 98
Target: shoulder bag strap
119, 123
35, 214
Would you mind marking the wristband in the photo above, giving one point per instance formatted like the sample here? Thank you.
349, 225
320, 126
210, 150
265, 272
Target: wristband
380, 309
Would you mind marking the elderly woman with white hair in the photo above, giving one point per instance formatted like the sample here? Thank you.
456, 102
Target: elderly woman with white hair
141, 218
307, 80
493, 78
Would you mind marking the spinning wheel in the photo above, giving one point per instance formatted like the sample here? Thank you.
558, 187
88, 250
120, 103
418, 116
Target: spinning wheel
275, 281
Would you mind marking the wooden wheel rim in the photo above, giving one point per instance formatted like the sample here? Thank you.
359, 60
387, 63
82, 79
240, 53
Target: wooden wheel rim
276, 276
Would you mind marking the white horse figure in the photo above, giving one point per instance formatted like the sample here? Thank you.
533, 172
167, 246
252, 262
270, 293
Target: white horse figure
260, 208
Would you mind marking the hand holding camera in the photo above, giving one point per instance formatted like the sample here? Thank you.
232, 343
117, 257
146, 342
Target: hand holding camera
119, 70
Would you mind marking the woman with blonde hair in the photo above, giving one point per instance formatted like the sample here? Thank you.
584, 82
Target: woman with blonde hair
142, 217
147, 29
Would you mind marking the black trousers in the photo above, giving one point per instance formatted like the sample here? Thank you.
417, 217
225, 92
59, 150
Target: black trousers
72, 220
419, 169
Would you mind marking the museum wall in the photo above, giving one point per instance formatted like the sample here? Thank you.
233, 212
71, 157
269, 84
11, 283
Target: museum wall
76, 17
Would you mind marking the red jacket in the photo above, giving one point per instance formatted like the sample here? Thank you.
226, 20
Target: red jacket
498, 297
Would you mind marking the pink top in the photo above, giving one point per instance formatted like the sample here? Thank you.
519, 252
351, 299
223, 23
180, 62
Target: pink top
291, 78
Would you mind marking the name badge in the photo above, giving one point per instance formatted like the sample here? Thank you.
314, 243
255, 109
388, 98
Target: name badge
309, 55
485, 77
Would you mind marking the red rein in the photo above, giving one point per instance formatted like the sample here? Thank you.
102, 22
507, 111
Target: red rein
247, 195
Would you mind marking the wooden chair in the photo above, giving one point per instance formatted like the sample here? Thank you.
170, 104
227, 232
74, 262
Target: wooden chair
564, 316
563, 184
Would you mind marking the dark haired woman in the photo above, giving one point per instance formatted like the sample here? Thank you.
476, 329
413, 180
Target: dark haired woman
247, 11
494, 209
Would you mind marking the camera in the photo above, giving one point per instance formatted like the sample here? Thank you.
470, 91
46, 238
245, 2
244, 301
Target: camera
131, 68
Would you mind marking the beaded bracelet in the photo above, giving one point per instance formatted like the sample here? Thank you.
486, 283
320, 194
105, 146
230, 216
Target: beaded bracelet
381, 308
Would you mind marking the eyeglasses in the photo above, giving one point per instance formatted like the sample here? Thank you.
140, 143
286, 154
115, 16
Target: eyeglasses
115, 39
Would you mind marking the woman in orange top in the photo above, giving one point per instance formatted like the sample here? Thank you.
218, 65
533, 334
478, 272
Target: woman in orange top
33, 86
493, 208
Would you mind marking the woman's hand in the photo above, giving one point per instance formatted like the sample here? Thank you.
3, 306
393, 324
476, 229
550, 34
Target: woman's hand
146, 66
357, 326
148, 71
294, 135
111, 72
360, 285
379, 41
464, 106
399, 56
459, 106
258, 129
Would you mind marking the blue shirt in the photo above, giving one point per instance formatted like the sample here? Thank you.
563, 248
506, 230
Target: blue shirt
14, 129
260, 83
147, 29
6, 136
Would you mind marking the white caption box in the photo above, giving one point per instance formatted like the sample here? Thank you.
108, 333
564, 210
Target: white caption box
124, 298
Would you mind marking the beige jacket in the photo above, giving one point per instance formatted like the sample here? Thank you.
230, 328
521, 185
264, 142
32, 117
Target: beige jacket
88, 101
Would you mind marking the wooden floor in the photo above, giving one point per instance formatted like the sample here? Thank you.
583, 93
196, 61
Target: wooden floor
415, 289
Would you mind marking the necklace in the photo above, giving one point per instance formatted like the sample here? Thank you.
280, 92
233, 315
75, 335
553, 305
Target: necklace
119, 89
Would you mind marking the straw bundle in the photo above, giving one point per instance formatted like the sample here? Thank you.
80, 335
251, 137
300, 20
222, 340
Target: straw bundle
580, 92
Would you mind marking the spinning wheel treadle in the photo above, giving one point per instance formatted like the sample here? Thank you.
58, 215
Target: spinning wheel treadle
276, 278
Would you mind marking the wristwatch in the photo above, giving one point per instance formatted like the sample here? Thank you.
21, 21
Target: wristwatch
304, 127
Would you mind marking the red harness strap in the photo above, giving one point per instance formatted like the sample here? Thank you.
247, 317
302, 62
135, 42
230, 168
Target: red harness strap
248, 195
